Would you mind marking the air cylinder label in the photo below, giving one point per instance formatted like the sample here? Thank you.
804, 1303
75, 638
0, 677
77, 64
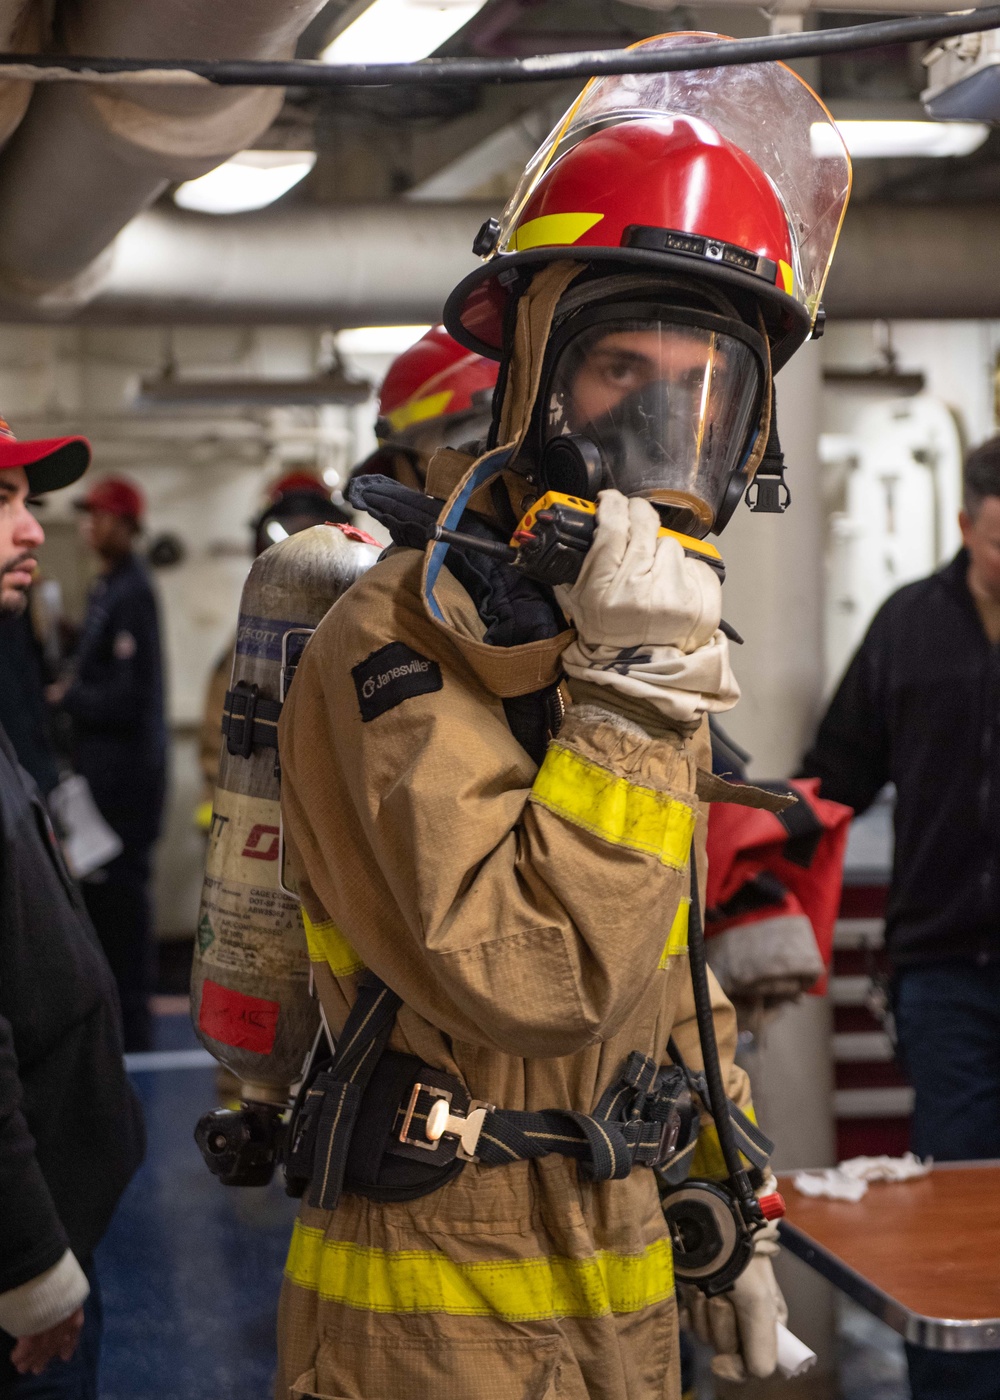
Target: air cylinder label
247, 923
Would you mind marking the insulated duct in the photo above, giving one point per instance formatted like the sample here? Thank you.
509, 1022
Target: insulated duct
86, 159
917, 262
342, 265
395, 263
21, 31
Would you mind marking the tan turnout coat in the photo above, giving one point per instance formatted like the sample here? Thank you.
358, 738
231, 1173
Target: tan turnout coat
531, 920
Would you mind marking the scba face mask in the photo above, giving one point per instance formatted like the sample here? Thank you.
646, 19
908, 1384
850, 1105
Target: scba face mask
657, 401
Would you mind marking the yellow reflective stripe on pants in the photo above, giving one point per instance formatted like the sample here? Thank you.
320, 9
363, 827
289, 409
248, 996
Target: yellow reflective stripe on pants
328, 945
708, 1160
677, 938
519, 1290
621, 812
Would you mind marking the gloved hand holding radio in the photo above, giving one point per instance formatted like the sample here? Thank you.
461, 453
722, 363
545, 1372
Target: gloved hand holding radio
741, 1325
647, 621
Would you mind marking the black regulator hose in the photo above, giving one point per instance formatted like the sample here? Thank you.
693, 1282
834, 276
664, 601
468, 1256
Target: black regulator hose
718, 1104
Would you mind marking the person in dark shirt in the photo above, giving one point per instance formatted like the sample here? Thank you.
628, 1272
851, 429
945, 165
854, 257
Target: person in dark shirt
23, 712
114, 696
71, 1133
919, 706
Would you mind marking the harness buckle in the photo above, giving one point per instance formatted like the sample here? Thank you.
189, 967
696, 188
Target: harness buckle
670, 1133
442, 1123
442, 1095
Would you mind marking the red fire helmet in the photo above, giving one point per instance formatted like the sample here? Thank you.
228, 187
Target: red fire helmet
435, 378
296, 483
718, 174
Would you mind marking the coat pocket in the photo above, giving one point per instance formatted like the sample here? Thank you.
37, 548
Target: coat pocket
504, 1369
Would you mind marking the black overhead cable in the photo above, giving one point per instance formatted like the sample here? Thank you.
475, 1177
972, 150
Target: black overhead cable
312, 73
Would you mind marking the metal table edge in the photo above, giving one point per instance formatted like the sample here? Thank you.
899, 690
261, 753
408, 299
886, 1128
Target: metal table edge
934, 1333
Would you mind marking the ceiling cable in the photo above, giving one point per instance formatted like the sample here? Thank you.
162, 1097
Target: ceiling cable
311, 73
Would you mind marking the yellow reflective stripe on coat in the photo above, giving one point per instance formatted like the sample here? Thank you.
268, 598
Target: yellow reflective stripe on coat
677, 938
708, 1160
519, 1290
328, 945
624, 813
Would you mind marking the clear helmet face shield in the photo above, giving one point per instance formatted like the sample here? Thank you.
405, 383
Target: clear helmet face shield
671, 402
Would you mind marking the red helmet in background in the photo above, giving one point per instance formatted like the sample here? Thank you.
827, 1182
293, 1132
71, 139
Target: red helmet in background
292, 503
296, 484
115, 495
435, 380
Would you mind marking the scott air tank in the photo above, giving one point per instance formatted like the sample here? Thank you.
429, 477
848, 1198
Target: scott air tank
250, 998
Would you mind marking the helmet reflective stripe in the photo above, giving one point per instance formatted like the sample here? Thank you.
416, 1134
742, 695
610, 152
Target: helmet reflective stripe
419, 410
551, 229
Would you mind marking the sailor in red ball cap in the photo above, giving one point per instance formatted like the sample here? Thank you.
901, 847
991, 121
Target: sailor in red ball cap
28, 469
114, 696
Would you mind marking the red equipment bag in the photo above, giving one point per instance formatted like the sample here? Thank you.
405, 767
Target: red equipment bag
774, 884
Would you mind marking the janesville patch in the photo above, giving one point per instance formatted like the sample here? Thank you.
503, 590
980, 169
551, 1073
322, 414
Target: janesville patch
391, 675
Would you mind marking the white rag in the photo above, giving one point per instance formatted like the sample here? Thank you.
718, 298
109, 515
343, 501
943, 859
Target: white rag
849, 1181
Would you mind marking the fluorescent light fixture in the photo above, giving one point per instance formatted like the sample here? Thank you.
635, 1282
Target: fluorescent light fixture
868, 140
399, 31
379, 340
275, 531
250, 180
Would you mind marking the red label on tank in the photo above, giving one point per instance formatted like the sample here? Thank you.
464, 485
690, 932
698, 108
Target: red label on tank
247, 1023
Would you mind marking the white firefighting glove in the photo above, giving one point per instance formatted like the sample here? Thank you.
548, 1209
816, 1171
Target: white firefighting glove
647, 618
741, 1326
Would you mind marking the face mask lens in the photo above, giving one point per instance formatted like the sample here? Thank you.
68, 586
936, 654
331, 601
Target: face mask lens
670, 407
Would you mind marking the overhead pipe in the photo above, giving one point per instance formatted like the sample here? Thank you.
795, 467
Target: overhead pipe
394, 263
86, 159
917, 262
362, 264
22, 30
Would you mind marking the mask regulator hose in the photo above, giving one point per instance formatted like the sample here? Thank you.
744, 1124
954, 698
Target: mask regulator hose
749, 1206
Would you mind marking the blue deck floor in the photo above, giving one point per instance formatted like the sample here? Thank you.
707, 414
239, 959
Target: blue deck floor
190, 1269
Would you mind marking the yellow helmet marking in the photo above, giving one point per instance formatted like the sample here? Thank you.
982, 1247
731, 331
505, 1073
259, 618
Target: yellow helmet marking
419, 410
552, 228
787, 277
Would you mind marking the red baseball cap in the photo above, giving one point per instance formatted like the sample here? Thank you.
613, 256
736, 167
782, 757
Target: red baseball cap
49, 463
116, 495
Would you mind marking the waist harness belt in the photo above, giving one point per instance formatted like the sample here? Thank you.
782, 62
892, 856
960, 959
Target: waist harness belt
381, 1124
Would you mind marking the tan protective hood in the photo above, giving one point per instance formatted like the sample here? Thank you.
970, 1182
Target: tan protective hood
517, 670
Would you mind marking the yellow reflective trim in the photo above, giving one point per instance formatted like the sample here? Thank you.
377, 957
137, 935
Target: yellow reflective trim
552, 228
708, 1159
621, 812
677, 938
419, 410
328, 945
519, 1290
787, 277
203, 816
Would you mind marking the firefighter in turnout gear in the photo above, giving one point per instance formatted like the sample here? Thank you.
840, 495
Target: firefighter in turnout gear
491, 787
